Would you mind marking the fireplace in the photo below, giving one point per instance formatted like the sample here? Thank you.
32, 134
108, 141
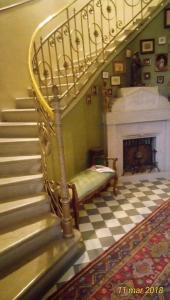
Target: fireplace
139, 113
139, 155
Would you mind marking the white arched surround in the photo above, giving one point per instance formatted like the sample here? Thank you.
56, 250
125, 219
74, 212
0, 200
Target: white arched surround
139, 112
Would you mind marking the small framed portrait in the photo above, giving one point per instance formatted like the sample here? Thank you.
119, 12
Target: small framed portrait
146, 75
88, 99
94, 90
109, 92
161, 62
118, 67
160, 79
162, 40
167, 17
147, 46
146, 61
128, 53
105, 75
115, 80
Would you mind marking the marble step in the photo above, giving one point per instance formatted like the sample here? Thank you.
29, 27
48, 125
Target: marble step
20, 186
18, 129
19, 115
16, 210
20, 165
17, 241
19, 146
25, 102
41, 270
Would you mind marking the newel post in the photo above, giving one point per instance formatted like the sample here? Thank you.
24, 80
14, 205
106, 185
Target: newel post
65, 201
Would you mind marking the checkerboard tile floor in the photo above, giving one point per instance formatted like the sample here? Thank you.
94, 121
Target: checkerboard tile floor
107, 218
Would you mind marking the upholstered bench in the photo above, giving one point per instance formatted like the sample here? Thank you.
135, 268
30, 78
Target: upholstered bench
90, 182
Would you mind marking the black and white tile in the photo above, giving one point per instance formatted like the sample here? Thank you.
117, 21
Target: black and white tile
107, 218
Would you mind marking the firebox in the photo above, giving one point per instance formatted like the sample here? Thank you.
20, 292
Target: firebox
139, 155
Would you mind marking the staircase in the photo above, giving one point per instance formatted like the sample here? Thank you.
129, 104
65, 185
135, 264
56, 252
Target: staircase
33, 251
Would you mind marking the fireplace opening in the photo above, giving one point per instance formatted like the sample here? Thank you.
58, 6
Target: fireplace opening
139, 155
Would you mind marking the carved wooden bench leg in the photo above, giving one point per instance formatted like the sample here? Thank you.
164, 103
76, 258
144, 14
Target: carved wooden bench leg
75, 204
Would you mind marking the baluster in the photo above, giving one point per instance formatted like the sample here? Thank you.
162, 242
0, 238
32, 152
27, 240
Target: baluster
88, 23
65, 62
58, 65
83, 36
67, 219
141, 2
50, 62
102, 32
94, 20
44, 69
108, 20
71, 52
77, 49
35, 58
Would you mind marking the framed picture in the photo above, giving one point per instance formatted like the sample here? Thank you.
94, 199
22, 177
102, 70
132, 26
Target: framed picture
146, 61
94, 90
167, 17
105, 75
160, 79
162, 40
128, 53
118, 67
161, 62
88, 99
115, 80
147, 46
147, 75
109, 92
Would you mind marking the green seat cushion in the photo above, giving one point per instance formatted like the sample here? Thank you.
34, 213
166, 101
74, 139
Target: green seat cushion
89, 180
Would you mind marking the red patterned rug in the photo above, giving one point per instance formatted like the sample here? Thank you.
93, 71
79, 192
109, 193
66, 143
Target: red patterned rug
135, 267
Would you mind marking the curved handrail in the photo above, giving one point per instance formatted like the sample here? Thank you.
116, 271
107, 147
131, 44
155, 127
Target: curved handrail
53, 57
14, 5
43, 102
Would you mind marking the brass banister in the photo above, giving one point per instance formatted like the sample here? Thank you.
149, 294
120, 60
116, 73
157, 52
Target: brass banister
61, 54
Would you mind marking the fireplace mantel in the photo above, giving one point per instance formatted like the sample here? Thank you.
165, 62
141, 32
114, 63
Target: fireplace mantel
139, 104
139, 112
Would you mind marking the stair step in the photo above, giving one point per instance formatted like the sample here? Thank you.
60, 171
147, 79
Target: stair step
18, 129
19, 115
19, 209
34, 277
20, 186
19, 146
25, 102
30, 235
20, 165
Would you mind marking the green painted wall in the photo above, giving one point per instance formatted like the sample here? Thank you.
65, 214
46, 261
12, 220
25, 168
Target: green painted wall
153, 31
82, 130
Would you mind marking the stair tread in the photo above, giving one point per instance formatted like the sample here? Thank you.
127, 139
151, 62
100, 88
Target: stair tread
6, 159
12, 180
19, 110
9, 205
18, 123
29, 272
27, 229
5, 140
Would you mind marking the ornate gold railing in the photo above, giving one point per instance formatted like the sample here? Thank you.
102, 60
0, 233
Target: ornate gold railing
65, 50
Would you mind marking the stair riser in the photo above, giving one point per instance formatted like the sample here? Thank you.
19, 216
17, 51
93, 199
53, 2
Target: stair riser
20, 189
16, 116
19, 148
18, 131
18, 168
24, 213
25, 103
23, 250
